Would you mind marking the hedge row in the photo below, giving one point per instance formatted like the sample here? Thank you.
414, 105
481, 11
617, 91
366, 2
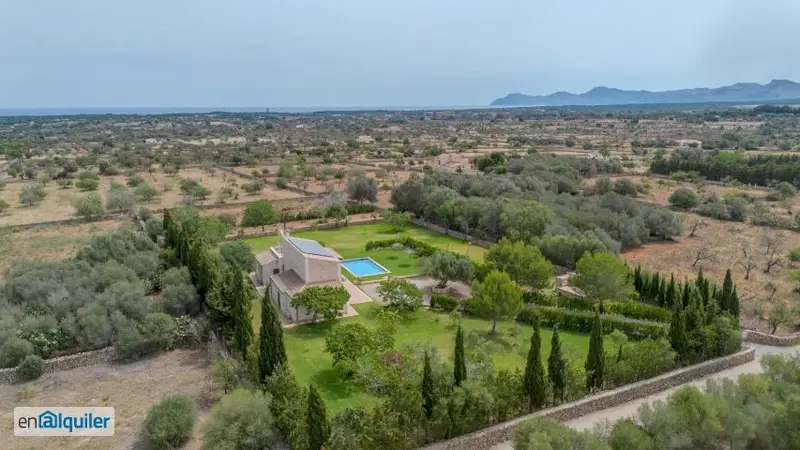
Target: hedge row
637, 310
630, 309
581, 322
420, 248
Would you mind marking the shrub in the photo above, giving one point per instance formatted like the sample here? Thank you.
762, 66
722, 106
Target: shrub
683, 198
444, 303
180, 299
626, 187
581, 322
31, 368
159, 329
14, 351
242, 420
539, 298
130, 344
638, 310
360, 208
169, 423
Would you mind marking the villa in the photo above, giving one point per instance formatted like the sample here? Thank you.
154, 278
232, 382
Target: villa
295, 264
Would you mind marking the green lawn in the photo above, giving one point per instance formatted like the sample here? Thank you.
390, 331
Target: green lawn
349, 242
305, 345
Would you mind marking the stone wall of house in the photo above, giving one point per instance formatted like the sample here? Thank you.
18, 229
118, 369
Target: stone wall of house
8, 376
486, 438
758, 337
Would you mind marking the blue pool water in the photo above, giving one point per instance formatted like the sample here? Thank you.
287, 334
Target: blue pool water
363, 267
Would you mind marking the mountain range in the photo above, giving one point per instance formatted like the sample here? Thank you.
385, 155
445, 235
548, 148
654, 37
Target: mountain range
601, 95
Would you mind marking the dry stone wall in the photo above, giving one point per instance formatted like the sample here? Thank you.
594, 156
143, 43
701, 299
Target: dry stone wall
758, 337
486, 438
108, 354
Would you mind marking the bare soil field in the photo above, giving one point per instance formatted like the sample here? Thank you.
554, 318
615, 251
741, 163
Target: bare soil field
130, 388
661, 189
724, 242
51, 243
58, 203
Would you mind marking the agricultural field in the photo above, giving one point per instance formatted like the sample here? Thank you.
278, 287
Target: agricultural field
131, 388
58, 202
723, 245
51, 243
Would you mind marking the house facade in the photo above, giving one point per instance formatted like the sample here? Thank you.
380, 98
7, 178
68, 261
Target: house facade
293, 265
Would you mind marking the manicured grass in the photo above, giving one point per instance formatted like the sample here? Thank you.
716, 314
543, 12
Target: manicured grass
305, 346
349, 243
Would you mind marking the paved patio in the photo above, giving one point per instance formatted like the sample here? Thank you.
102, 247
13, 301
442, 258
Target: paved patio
454, 288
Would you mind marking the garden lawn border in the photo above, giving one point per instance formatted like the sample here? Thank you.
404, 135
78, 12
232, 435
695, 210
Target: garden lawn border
488, 437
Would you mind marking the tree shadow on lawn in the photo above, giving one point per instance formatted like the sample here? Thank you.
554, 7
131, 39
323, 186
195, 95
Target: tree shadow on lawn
312, 331
333, 384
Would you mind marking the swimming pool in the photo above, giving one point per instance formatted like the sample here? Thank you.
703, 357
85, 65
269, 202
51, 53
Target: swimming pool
364, 267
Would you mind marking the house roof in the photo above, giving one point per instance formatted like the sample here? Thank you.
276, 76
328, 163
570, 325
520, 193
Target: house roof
264, 258
290, 282
310, 247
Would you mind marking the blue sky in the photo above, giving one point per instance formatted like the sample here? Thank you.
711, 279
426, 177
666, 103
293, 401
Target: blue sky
126, 53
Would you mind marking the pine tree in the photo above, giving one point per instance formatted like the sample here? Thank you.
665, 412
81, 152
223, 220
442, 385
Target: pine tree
318, 427
533, 381
460, 367
677, 331
240, 302
595, 359
557, 368
272, 352
428, 395
726, 301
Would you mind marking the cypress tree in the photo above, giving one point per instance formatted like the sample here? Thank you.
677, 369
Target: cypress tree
272, 352
319, 428
637, 279
735, 307
703, 286
677, 331
460, 367
595, 359
655, 287
726, 301
712, 310
672, 292
428, 394
557, 368
533, 382
169, 230
240, 303
687, 290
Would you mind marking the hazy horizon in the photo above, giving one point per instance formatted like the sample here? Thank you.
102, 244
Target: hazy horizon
366, 54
